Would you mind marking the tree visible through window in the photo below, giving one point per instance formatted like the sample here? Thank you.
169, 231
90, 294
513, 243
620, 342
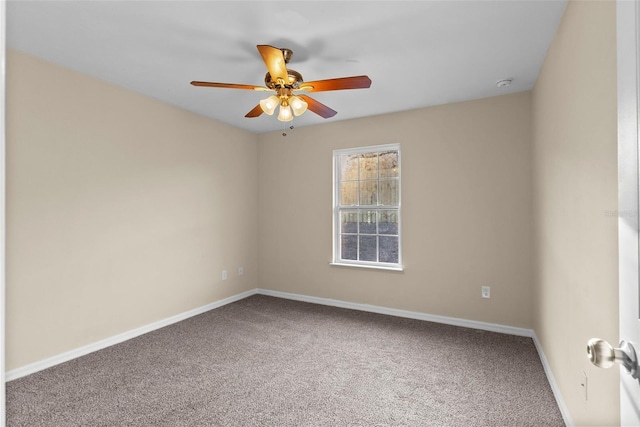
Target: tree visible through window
367, 206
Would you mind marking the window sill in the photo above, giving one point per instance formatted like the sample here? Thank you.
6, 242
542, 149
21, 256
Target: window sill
374, 267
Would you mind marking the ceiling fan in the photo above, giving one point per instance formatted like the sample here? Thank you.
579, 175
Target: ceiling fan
285, 83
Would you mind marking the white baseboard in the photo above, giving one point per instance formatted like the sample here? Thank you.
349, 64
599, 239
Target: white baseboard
554, 385
99, 345
493, 327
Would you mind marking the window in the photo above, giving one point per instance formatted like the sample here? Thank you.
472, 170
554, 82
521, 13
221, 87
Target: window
367, 207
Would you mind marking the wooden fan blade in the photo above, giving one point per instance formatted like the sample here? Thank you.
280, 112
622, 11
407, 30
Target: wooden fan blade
257, 110
356, 82
274, 60
318, 108
229, 85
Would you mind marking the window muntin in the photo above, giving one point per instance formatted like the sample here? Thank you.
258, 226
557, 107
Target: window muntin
367, 206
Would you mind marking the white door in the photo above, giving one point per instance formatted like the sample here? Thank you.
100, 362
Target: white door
601, 353
628, 45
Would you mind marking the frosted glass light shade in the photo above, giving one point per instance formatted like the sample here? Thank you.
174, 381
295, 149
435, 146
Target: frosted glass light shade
298, 105
285, 114
269, 104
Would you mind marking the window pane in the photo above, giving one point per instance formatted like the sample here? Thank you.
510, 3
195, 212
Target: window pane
388, 249
367, 209
349, 222
369, 166
368, 248
388, 164
388, 222
349, 247
367, 222
348, 167
349, 193
369, 193
389, 192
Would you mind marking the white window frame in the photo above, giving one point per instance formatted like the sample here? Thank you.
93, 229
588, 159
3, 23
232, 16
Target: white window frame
337, 208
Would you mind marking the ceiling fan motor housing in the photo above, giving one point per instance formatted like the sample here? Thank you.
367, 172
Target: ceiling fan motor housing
294, 80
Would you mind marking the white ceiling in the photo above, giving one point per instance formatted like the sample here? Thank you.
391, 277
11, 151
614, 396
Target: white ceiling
417, 53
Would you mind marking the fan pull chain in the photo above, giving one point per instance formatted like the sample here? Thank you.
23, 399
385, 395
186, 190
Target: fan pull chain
284, 127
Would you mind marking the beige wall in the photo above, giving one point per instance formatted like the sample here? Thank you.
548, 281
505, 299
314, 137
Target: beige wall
121, 210
466, 191
575, 183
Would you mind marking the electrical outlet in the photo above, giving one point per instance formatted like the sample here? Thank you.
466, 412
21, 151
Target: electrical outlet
486, 292
584, 384
240, 271
224, 274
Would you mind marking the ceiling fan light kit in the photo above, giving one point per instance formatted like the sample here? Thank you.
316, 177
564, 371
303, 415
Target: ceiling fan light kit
298, 105
269, 104
285, 114
284, 82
